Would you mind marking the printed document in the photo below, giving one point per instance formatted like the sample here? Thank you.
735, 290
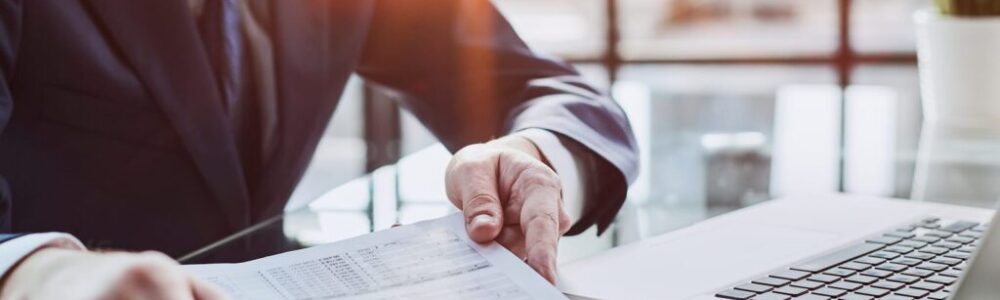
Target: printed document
428, 260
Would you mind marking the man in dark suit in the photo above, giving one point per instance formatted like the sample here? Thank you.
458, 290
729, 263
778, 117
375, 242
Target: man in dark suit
164, 125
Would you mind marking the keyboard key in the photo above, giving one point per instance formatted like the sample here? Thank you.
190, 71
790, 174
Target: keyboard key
889, 285
844, 285
920, 255
907, 261
770, 281
926, 239
895, 297
772, 296
735, 294
939, 296
939, 234
915, 293
918, 272
868, 260
829, 292
945, 280
884, 255
838, 257
960, 239
912, 244
903, 278
753, 287
950, 273
856, 297
932, 266
792, 291
929, 286
854, 266
812, 297
872, 291
966, 249
891, 267
790, 275
946, 261
930, 220
839, 272
887, 240
959, 226
958, 255
900, 234
862, 279
876, 273
980, 228
948, 245
823, 278
960, 266
899, 249
934, 250
971, 234
931, 226
806, 284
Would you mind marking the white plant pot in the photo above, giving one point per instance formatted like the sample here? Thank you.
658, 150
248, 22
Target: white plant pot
959, 69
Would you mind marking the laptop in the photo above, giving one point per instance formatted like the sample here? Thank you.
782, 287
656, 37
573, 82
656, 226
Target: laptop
807, 247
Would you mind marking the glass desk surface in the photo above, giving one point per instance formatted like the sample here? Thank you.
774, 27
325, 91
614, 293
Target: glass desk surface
700, 158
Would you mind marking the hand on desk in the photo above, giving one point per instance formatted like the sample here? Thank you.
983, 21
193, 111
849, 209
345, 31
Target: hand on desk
52, 273
510, 195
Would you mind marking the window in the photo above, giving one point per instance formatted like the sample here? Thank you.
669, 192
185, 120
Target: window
713, 78
653, 29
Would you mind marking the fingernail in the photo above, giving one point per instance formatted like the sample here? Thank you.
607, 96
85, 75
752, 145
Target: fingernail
482, 220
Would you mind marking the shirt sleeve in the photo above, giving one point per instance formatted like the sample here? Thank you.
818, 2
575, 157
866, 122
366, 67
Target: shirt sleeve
15, 249
561, 160
593, 188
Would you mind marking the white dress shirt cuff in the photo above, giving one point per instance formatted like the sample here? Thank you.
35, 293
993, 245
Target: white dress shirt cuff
16, 249
563, 162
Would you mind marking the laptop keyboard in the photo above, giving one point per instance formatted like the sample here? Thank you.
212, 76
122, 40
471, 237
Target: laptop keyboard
918, 261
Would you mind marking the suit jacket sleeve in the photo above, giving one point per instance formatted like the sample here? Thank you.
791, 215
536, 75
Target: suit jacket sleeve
463, 71
14, 247
10, 27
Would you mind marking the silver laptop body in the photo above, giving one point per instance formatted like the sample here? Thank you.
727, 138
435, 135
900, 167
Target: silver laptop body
982, 279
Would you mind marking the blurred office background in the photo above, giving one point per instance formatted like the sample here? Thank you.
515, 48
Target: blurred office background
734, 103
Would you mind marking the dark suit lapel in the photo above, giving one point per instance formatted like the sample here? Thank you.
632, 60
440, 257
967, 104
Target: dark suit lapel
299, 58
160, 41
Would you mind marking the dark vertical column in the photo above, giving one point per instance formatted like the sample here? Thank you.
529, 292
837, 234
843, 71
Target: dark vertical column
382, 131
612, 59
844, 64
383, 138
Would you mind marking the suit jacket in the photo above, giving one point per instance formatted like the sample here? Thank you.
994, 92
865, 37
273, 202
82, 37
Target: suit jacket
113, 128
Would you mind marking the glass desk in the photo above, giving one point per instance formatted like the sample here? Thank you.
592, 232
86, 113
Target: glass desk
701, 157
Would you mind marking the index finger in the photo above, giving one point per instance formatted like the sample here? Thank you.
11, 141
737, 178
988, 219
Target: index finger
540, 218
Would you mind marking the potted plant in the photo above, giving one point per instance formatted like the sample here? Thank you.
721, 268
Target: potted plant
958, 45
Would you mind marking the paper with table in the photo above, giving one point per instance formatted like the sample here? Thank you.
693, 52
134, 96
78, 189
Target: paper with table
428, 260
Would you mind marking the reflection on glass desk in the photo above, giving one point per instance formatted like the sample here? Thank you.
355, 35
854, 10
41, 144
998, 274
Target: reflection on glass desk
704, 153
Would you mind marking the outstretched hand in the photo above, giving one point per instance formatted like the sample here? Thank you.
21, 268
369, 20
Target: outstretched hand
508, 194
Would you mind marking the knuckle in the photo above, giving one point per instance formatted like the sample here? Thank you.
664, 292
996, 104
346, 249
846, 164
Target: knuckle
541, 178
545, 219
473, 164
143, 274
473, 153
481, 202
